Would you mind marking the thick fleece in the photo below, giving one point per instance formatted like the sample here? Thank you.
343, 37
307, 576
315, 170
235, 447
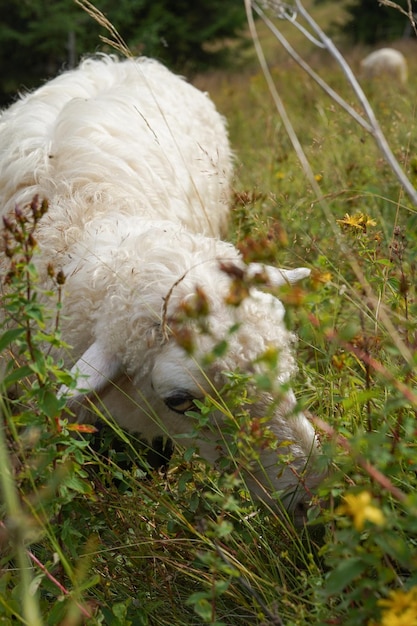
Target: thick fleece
136, 166
386, 63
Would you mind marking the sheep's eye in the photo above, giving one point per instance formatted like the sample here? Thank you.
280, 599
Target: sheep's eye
180, 402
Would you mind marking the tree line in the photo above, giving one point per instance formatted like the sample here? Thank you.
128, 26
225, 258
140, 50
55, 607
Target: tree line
38, 38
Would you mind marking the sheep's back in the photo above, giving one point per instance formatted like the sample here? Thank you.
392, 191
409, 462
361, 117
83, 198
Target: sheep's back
125, 136
385, 62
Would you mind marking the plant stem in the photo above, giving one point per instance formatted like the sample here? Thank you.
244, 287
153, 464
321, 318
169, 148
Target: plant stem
17, 524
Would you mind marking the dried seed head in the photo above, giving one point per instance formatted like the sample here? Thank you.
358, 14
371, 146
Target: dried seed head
10, 274
9, 251
184, 338
44, 206
20, 216
38, 208
232, 270
32, 241
35, 203
238, 291
60, 278
197, 306
8, 224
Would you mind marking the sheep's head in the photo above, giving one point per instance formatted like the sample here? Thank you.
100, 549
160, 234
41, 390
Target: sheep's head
276, 442
255, 344
201, 340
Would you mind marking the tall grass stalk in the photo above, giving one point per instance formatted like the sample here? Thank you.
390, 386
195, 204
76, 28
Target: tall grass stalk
16, 526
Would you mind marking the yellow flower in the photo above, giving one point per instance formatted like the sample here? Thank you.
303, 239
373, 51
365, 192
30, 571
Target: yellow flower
400, 608
360, 221
407, 618
399, 599
318, 177
279, 175
322, 277
359, 507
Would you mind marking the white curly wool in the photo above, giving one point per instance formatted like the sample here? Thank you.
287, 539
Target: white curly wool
136, 166
386, 63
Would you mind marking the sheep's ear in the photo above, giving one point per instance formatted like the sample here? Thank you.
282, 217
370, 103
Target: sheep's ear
95, 369
276, 276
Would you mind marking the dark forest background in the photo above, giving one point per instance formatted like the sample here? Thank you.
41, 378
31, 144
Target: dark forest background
38, 38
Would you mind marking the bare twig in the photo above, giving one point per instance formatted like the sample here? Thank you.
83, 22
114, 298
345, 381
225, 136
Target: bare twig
56, 582
410, 14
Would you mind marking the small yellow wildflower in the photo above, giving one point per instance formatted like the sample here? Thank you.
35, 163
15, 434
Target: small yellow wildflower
279, 175
320, 277
361, 221
359, 507
406, 618
318, 177
400, 600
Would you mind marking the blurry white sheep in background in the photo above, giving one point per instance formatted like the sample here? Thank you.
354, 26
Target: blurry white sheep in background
136, 166
385, 62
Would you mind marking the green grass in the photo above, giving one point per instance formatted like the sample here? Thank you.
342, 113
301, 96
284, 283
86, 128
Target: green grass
189, 547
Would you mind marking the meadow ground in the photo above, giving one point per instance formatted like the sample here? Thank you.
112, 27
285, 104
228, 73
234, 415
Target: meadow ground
189, 547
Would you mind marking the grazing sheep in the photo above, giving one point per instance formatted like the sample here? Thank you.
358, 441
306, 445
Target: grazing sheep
385, 62
136, 166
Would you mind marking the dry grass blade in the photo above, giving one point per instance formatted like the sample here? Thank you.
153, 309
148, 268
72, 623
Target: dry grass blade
116, 41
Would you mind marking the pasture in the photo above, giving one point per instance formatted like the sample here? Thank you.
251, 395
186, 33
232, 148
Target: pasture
95, 541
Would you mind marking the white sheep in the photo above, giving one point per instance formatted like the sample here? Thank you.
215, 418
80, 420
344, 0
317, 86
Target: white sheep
385, 62
136, 166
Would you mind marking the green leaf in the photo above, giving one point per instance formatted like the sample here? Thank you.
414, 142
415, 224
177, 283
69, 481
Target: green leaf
9, 336
359, 398
224, 529
201, 605
56, 614
39, 367
344, 574
50, 404
120, 611
76, 484
220, 349
17, 374
189, 453
185, 478
88, 584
